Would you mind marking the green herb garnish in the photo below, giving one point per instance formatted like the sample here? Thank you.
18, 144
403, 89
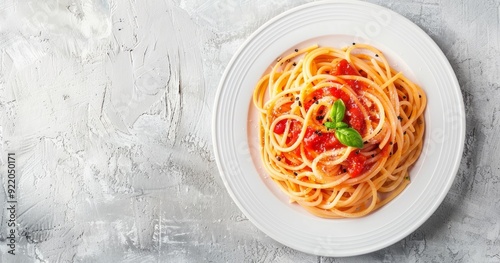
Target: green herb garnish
347, 136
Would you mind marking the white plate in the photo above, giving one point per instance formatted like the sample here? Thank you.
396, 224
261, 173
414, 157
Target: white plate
338, 23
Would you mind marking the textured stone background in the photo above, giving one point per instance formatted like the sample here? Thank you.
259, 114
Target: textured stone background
107, 105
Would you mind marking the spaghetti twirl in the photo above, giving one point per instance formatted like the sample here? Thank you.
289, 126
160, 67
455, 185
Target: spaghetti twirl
304, 141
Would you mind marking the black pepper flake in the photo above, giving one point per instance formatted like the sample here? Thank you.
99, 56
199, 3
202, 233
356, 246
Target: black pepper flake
296, 98
317, 102
296, 50
353, 43
291, 99
376, 55
420, 96
300, 104
295, 64
344, 170
390, 153
278, 158
404, 97
390, 143
314, 98
295, 173
404, 133
373, 155
357, 152
400, 118
320, 117
365, 142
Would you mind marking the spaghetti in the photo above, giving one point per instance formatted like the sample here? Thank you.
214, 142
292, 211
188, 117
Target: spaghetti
314, 103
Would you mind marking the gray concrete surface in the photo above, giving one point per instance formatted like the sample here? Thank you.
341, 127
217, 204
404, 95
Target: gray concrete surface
107, 107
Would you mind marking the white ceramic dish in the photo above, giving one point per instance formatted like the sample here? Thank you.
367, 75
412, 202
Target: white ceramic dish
338, 23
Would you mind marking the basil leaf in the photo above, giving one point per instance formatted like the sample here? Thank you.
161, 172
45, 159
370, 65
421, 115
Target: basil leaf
338, 111
330, 125
340, 125
349, 137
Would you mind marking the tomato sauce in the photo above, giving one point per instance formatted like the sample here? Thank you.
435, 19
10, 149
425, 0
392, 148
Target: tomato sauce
356, 164
320, 141
344, 68
280, 127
